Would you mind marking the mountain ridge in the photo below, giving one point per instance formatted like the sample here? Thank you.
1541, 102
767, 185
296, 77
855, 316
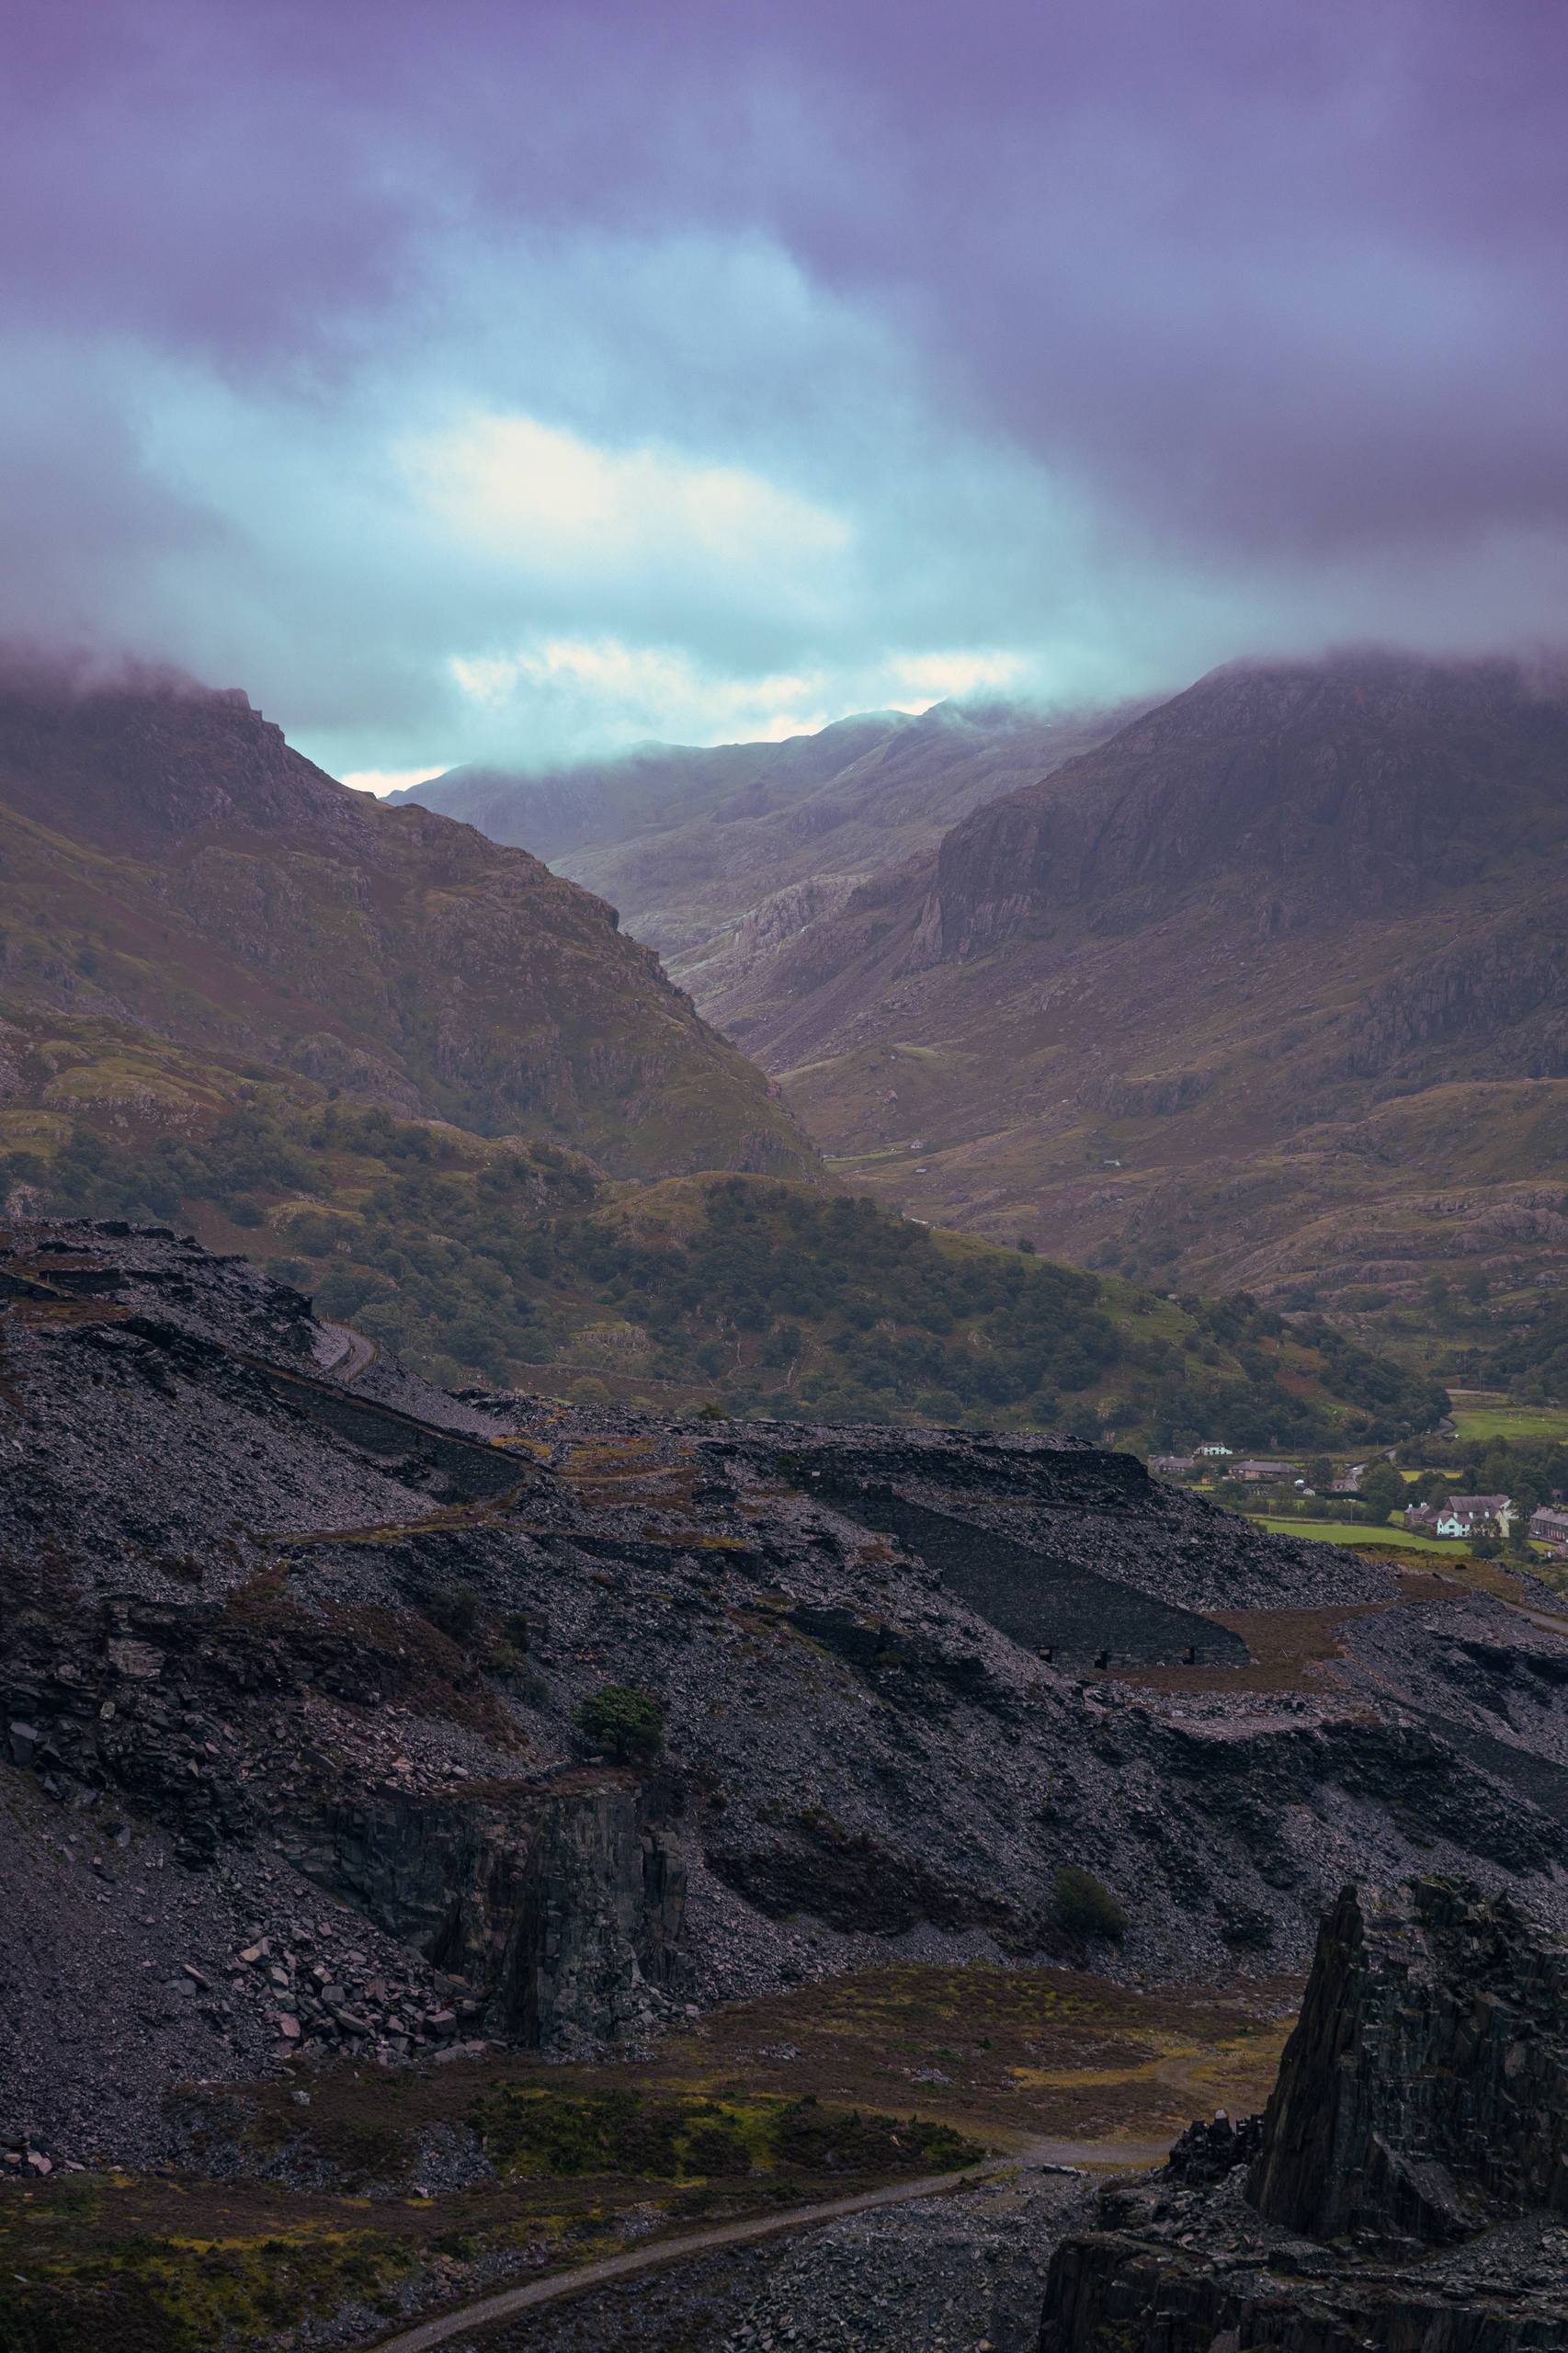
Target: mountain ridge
180, 879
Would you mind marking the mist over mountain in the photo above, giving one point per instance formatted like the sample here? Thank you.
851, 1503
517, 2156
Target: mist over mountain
687, 842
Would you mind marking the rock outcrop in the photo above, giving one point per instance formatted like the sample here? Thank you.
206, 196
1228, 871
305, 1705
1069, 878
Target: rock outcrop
1413, 2174
1424, 2091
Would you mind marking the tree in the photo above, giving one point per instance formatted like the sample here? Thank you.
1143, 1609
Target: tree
1382, 1490
1086, 1906
1320, 1475
628, 1724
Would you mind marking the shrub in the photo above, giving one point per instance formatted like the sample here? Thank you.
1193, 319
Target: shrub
455, 1612
1086, 1906
627, 1725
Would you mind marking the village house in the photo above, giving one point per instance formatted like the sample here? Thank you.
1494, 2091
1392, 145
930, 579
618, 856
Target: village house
1214, 1448
1421, 1518
1475, 1515
1171, 1466
1550, 1526
1255, 1470
1349, 1479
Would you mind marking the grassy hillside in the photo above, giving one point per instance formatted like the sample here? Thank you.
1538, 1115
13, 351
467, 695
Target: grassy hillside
506, 1261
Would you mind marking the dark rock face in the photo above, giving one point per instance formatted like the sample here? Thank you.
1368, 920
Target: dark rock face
1414, 2162
1423, 2091
556, 1905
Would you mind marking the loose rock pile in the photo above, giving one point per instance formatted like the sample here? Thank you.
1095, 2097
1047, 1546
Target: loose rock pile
316, 1652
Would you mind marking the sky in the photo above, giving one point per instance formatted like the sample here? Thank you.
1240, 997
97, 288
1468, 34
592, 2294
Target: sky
514, 380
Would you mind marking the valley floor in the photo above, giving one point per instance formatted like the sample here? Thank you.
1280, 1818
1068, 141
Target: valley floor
388, 2194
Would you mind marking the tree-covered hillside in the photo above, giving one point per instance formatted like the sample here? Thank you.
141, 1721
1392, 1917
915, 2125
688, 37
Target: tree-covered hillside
519, 1262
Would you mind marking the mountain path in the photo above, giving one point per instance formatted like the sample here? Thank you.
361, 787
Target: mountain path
355, 1355
442, 2327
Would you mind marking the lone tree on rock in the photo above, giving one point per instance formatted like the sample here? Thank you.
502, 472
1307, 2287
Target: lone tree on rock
627, 1725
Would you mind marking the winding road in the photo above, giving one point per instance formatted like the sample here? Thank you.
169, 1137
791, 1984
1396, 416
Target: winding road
443, 2326
352, 1358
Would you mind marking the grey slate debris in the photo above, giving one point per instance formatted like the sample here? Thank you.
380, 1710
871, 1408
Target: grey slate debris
288, 1673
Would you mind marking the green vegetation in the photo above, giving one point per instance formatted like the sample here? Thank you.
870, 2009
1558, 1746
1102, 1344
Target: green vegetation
1355, 1532
677, 2138
181, 2291
627, 1725
1383, 1493
503, 1261
1519, 1423
1086, 1907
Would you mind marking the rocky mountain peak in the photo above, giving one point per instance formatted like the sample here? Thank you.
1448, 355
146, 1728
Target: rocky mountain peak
145, 761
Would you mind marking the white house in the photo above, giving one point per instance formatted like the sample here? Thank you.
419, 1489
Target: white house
1215, 1448
1475, 1515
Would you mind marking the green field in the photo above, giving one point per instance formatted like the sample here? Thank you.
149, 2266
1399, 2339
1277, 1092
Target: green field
1514, 1422
1357, 1531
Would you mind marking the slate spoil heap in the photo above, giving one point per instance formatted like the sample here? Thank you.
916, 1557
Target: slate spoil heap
291, 1660
1411, 2193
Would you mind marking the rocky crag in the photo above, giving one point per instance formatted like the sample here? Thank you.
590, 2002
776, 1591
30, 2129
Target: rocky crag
292, 1647
1408, 2186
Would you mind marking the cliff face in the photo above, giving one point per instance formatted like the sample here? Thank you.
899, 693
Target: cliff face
559, 1906
1355, 787
1414, 2155
307, 1652
1421, 2094
178, 882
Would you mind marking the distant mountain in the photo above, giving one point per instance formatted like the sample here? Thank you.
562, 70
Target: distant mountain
189, 909
1270, 989
433, 1083
692, 844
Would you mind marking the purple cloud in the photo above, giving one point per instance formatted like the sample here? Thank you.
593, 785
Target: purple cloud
1197, 330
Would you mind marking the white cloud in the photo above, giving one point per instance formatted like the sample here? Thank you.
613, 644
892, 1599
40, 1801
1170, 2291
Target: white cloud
934, 677
550, 501
612, 693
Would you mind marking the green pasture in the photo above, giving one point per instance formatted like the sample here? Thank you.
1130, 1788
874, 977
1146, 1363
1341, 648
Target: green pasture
1516, 1422
1357, 1531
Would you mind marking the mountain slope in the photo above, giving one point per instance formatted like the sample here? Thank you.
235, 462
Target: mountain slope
187, 903
1267, 991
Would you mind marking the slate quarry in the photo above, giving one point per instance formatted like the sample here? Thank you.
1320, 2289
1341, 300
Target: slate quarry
289, 1665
